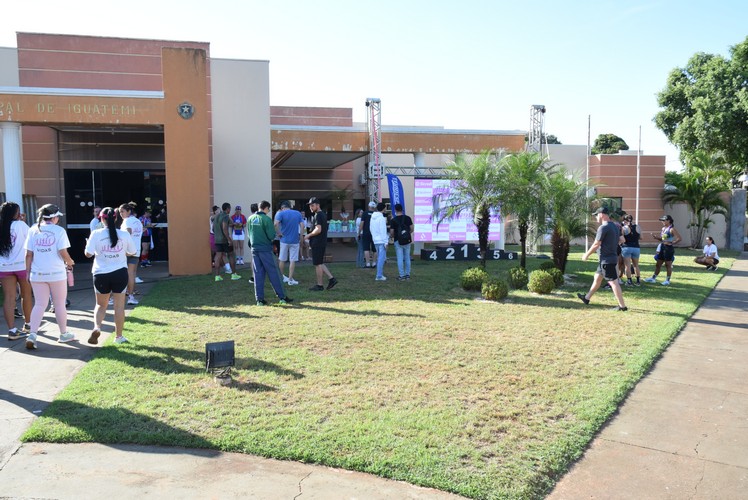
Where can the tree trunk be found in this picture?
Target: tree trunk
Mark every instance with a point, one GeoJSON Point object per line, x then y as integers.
{"type": "Point", "coordinates": [523, 244]}
{"type": "Point", "coordinates": [483, 225]}
{"type": "Point", "coordinates": [561, 247]}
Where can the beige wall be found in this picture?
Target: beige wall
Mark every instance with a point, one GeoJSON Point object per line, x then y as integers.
{"type": "Point", "coordinates": [8, 78]}
{"type": "Point", "coordinates": [241, 132]}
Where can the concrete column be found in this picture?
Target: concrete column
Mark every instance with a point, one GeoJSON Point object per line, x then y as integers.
{"type": "Point", "coordinates": [12, 161]}
{"type": "Point", "coordinates": [736, 222]}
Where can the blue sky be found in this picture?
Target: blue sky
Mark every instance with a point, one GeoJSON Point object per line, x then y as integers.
{"type": "Point", "coordinates": [474, 64]}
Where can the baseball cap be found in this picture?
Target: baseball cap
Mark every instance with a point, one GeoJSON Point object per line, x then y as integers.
{"type": "Point", "coordinates": [285, 204]}
{"type": "Point", "coordinates": [601, 210]}
{"type": "Point", "coordinates": [313, 200]}
{"type": "Point", "coordinates": [666, 217]}
{"type": "Point", "coordinates": [238, 207]}
{"type": "Point", "coordinates": [372, 204]}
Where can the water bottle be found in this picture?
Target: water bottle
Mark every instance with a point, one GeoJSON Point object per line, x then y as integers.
{"type": "Point", "coordinates": [71, 279]}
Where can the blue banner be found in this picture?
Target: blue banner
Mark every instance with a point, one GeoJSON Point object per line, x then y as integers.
{"type": "Point", "coordinates": [396, 191]}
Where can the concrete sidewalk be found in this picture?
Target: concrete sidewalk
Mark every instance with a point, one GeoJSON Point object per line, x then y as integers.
{"type": "Point", "coordinates": [29, 381]}
{"type": "Point", "coordinates": [683, 431]}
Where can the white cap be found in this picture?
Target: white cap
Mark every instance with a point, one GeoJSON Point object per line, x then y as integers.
{"type": "Point", "coordinates": [372, 204]}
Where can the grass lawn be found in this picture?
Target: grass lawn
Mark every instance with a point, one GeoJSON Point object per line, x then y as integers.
{"type": "Point", "coordinates": [417, 381]}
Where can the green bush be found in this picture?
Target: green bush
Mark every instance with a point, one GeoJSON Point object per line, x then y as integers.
{"type": "Point", "coordinates": [494, 289]}
{"type": "Point", "coordinates": [557, 275]}
{"type": "Point", "coordinates": [540, 282]}
{"type": "Point", "coordinates": [518, 277]}
{"type": "Point", "coordinates": [473, 278]}
{"type": "Point", "coordinates": [547, 265]}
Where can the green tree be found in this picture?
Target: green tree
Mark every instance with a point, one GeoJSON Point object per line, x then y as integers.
{"type": "Point", "coordinates": [705, 107]}
{"type": "Point", "coordinates": [568, 212]}
{"type": "Point", "coordinates": [523, 186]}
{"type": "Point", "coordinates": [547, 139]}
{"type": "Point", "coordinates": [476, 190]}
{"type": "Point", "coordinates": [698, 186]}
{"type": "Point", "coordinates": [608, 144]}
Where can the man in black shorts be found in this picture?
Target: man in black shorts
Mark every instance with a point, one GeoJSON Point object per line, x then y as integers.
{"type": "Point", "coordinates": [318, 242]}
{"type": "Point", "coordinates": [606, 244]}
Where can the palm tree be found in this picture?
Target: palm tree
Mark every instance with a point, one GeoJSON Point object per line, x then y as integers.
{"type": "Point", "coordinates": [474, 189]}
{"type": "Point", "coordinates": [568, 209]}
{"type": "Point", "coordinates": [523, 185]}
{"type": "Point", "coordinates": [699, 187]}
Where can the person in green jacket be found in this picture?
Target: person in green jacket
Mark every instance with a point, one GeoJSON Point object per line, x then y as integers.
{"type": "Point", "coordinates": [261, 235]}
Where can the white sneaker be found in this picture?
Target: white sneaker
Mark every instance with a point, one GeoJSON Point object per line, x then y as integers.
{"type": "Point", "coordinates": [111, 301]}
{"type": "Point", "coordinates": [131, 301]}
{"type": "Point", "coordinates": [292, 281]}
{"type": "Point", "coordinates": [120, 340]}
{"type": "Point", "coordinates": [381, 278]}
{"type": "Point", "coordinates": [66, 337]}
{"type": "Point", "coordinates": [285, 279]}
{"type": "Point", "coordinates": [138, 280]}
{"type": "Point", "coordinates": [650, 280]}
{"type": "Point", "coordinates": [666, 282]}
{"type": "Point", "coordinates": [227, 269]}
{"type": "Point", "coordinates": [31, 341]}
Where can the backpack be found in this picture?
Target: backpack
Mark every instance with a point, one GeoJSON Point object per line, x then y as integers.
{"type": "Point", "coordinates": [402, 233]}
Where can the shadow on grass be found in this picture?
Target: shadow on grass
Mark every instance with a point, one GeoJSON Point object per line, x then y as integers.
{"type": "Point", "coordinates": [107, 425]}
{"type": "Point", "coordinates": [258, 365]}
{"type": "Point", "coordinates": [372, 312]}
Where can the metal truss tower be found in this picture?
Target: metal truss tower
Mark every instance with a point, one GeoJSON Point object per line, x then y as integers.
{"type": "Point", "coordinates": [535, 136]}
{"type": "Point", "coordinates": [374, 168]}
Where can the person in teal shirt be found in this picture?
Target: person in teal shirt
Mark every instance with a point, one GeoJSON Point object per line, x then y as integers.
{"type": "Point", "coordinates": [261, 232]}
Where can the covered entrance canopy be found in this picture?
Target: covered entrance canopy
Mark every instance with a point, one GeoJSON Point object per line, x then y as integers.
{"type": "Point", "coordinates": [181, 110]}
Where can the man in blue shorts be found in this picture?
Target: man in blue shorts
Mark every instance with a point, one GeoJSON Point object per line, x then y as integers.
{"type": "Point", "coordinates": [606, 244]}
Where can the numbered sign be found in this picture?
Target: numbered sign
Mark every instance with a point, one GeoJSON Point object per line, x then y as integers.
{"type": "Point", "coordinates": [464, 251]}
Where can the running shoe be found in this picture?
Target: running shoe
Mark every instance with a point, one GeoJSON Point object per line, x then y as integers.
{"type": "Point", "coordinates": [262, 302]}
{"type": "Point", "coordinates": [235, 277]}
{"type": "Point", "coordinates": [111, 301]}
{"type": "Point", "coordinates": [650, 280]}
{"type": "Point", "coordinates": [332, 282]}
{"type": "Point", "coordinates": [138, 280]}
{"type": "Point", "coordinates": [292, 282]}
{"type": "Point", "coordinates": [120, 340]}
{"type": "Point", "coordinates": [380, 278]}
{"type": "Point", "coordinates": [66, 337]}
{"type": "Point", "coordinates": [401, 278]}
{"type": "Point", "coordinates": [94, 338]}
{"type": "Point", "coordinates": [316, 288]}
{"type": "Point", "coordinates": [407, 276]}
{"type": "Point", "coordinates": [285, 279]}
{"type": "Point", "coordinates": [14, 334]}
{"type": "Point", "coordinates": [251, 281]}
{"type": "Point", "coordinates": [218, 278]}
{"type": "Point", "coordinates": [285, 300]}
{"type": "Point", "coordinates": [622, 309]}
{"type": "Point", "coordinates": [666, 282]}
{"type": "Point", "coordinates": [131, 301]}
{"type": "Point", "coordinates": [26, 328]}
{"type": "Point", "coordinates": [17, 313]}
{"type": "Point", "coordinates": [583, 298]}
{"type": "Point", "coordinates": [31, 341]}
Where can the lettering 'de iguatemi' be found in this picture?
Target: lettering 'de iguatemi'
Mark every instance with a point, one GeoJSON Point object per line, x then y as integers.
{"type": "Point", "coordinates": [9, 108]}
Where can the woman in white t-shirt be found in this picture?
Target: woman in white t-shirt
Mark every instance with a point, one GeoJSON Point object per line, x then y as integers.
{"type": "Point", "coordinates": [112, 250]}
{"type": "Point", "coordinates": [13, 232]}
{"type": "Point", "coordinates": [710, 259]}
{"type": "Point", "coordinates": [132, 225]}
{"type": "Point", "coordinates": [47, 263]}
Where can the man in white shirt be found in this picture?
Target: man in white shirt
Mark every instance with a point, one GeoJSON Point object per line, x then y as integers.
{"type": "Point", "coordinates": [95, 222]}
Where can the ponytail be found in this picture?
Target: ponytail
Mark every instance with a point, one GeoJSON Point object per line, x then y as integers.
{"type": "Point", "coordinates": [8, 212]}
{"type": "Point", "coordinates": [109, 217]}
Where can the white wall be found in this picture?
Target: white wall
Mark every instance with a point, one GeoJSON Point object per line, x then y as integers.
{"type": "Point", "coordinates": [241, 132]}
{"type": "Point", "coordinates": [8, 78]}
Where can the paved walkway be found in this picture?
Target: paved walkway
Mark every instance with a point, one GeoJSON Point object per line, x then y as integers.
{"type": "Point", "coordinates": [682, 433]}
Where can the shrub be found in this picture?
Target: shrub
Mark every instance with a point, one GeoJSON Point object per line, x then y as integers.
{"type": "Point", "coordinates": [518, 277]}
{"type": "Point", "coordinates": [557, 275]}
{"type": "Point", "coordinates": [473, 278]}
{"type": "Point", "coordinates": [494, 289]}
{"type": "Point", "coordinates": [547, 265]}
{"type": "Point", "coordinates": [540, 282]}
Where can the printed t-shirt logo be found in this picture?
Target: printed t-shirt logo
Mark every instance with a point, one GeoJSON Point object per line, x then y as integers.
{"type": "Point", "coordinates": [45, 239]}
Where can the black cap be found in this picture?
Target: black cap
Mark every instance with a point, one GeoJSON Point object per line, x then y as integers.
{"type": "Point", "coordinates": [601, 210]}
{"type": "Point", "coordinates": [667, 218]}
{"type": "Point", "coordinates": [313, 200]}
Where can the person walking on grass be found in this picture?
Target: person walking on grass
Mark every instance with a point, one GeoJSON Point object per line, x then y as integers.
{"type": "Point", "coordinates": [318, 243]}
{"type": "Point", "coordinates": [289, 225]}
{"type": "Point", "coordinates": [380, 237]}
{"type": "Point", "coordinates": [222, 234]}
{"type": "Point", "coordinates": [606, 244]}
{"type": "Point", "coordinates": [13, 232]}
{"type": "Point", "coordinates": [631, 250]}
{"type": "Point", "coordinates": [112, 250]}
{"type": "Point", "coordinates": [261, 235]}
{"type": "Point", "coordinates": [134, 227]}
{"type": "Point", "coordinates": [665, 254]}
{"type": "Point", "coordinates": [401, 230]}
{"type": "Point", "coordinates": [47, 264]}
